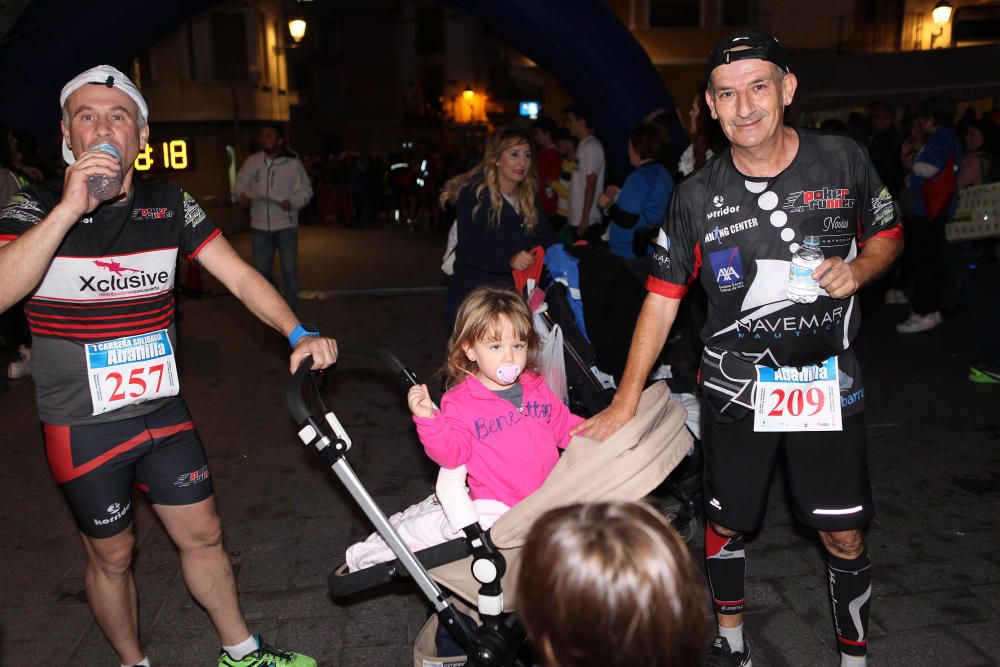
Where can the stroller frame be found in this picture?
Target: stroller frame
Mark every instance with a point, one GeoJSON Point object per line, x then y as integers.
{"type": "Point", "coordinates": [498, 640]}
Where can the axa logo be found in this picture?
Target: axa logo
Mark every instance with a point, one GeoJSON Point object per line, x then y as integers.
{"type": "Point", "coordinates": [727, 267]}
{"type": "Point", "coordinates": [122, 278]}
{"type": "Point", "coordinates": [116, 512]}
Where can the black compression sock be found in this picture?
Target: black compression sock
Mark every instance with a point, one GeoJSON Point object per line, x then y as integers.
{"type": "Point", "coordinates": [850, 593]}
{"type": "Point", "coordinates": [726, 565]}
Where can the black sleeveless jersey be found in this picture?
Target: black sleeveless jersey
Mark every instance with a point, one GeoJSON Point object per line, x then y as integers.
{"type": "Point", "coordinates": [737, 235]}
{"type": "Point", "coordinates": [112, 276]}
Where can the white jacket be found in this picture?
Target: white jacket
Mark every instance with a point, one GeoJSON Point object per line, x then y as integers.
{"type": "Point", "coordinates": [268, 183]}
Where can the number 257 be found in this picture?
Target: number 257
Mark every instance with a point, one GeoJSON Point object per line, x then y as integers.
{"type": "Point", "coordinates": [135, 383]}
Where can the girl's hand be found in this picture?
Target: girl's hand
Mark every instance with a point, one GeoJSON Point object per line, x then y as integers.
{"type": "Point", "coordinates": [521, 260]}
{"type": "Point", "coordinates": [419, 401]}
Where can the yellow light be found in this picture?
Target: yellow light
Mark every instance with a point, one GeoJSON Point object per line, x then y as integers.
{"type": "Point", "coordinates": [144, 160]}
{"type": "Point", "coordinates": [468, 94]}
{"type": "Point", "coordinates": [175, 156]}
{"type": "Point", "coordinates": [297, 29]}
{"type": "Point", "coordinates": [941, 13]}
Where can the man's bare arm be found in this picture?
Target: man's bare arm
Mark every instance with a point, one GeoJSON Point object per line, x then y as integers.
{"type": "Point", "coordinates": [24, 261]}
{"type": "Point", "coordinates": [651, 331]}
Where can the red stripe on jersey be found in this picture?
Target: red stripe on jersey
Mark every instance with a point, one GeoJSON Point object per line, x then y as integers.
{"type": "Point", "coordinates": [697, 262]}
{"type": "Point", "coordinates": [90, 306]}
{"type": "Point", "coordinates": [90, 318]}
{"type": "Point", "coordinates": [211, 237]}
{"type": "Point", "coordinates": [85, 323]}
{"type": "Point", "coordinates": [894, 234]}
{"type": "Point", "coordinates": [663, 288]}
{"type": "Point", "coordinates": [9, 237]}
{"type": "Point", "coordinates": [103, 335]}
{"type": "Point", "coordinates": [59, 451]}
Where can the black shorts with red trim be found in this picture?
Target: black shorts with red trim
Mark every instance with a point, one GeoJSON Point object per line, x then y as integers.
{"type": "Point", "coordinates": [827, 473]}
{"type": "Point", "coordinates": [96, 465]}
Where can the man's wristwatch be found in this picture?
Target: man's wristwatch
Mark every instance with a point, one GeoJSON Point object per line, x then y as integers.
{"type": "Point", "coordinates": [300, 331]}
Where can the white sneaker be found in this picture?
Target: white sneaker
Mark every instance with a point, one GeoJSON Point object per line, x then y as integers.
{"type": "Point", "coordinates": [21, 367]}
{"type": "Point", "coordinates": [919, 323]}
{"type": "Point", "coordinates": [895, 296]}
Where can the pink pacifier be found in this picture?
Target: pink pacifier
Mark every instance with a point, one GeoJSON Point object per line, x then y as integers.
{"type": "Point", "coordinates": [507, 374]}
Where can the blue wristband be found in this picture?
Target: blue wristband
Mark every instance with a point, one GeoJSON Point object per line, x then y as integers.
{"type": "Point", "coordinates": [300, 331]}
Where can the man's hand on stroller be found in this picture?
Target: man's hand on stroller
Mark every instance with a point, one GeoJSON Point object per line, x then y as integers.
{"type": "Point", "coordinates": [419, 400]}
{"type": "Point", "coordinates": [606, 422]}
{"type": "Point", "coordinates": [323, 351]}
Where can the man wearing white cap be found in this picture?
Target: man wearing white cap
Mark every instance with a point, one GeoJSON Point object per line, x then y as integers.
{"type": "Point", "coordinates": [101, 279]}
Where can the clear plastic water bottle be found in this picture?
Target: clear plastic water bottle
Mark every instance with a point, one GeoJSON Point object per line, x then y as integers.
{"type": "Point", "coordinates": [801, 286]}
{"type": "Point", "coordinates": [104, 187]}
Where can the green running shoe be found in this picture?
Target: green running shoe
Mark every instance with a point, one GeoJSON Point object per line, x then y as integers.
{"type": "Point", "coordinates": [266, 656]}
{"type": "Point", "coordinates": [984, 374]}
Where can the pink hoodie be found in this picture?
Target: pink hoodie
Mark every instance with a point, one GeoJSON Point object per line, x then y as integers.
{"type": "Point", "coordinates": [508, 453]}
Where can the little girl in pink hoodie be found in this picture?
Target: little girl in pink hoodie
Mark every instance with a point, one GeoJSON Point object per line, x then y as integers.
{"type": "Point", "coordinates": [498, 419]}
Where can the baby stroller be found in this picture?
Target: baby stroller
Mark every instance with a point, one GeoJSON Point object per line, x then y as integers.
{"type": "Point", "coordinates": [477, 573]}
{"type": "Point", "coordinates": [610, 293]}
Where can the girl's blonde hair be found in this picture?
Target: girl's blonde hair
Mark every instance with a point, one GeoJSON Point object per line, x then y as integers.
{"type": "Point", "coordinates": [487, 170]}
{"type": "Point", "coordinates": [480, 318]}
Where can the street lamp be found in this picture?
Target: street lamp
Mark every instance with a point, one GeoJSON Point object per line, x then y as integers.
{"type": "Point", "coordinates": [297, 29]}
{"type": "Point", "coordinates": [941, 14]}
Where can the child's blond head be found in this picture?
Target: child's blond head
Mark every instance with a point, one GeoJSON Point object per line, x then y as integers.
{"type": "Point", "coordinates": [481, 317]}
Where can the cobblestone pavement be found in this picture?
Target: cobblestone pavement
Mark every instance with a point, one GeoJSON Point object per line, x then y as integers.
{"type": "Point", "coordinates": [934, 442]}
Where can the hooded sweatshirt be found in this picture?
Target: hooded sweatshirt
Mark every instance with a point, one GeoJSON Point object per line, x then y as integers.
{"type": "Point", "coordinates": [507, 451]}
{"type": "Point", "coordinates": [269, 182]}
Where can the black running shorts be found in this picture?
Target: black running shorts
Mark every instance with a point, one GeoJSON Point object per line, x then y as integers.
{"type": "Point", "coordinates": [827, 473]}
{"type": "Point", "coordinates": [96, 466]}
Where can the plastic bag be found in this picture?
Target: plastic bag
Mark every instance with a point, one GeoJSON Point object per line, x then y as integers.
{"type": "Point", "coordinates": [551, 359]}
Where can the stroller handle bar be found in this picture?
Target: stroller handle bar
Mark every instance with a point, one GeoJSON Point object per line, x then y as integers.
{"type": "Point", "coordinates": [293, 395]}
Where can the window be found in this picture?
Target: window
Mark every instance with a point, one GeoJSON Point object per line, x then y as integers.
{"type": "Point", "coordinates": [674, 13]}
{"type": "Point", "coordinates": [229, 46]}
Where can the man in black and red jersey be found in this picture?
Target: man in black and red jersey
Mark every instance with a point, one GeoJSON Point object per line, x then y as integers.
{"type": "Point", "coordinates": [776, 374]}
{"type": "Point", "coordinates": [101, 311]}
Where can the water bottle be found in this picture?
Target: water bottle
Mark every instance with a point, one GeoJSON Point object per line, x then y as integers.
{"type": "Point", "coordinates": [103, 187]}
{"type": "Point", "coordinates": [801, 286]}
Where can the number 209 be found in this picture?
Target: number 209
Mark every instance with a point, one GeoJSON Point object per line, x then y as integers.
{"type": "Point", "coordinates": [796, 402]}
